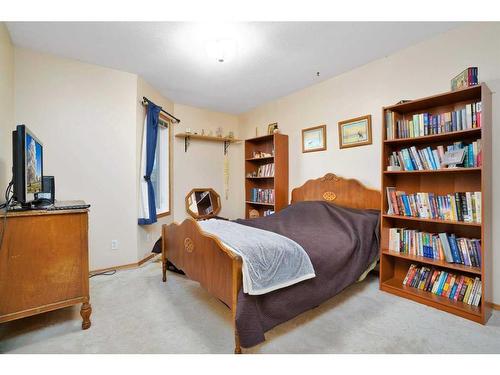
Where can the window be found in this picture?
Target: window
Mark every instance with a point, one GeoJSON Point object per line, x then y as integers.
{"type": "Point", "coordinates": [160, 177]}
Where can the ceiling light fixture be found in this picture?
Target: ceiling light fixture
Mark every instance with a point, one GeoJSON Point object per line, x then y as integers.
{"type": "Point", "coordinates": [221, 50]}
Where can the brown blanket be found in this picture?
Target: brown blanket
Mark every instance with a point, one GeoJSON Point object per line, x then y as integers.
{"type": "Point", "coordinates": [341, 244]}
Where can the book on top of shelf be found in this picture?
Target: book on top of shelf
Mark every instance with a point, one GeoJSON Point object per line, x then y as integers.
{"type": "Point", "coordinates": [424, 124]}
{"type": "Point", "coordinates": [453, 286]}
{"type": "Point", "coordinates": [464, 79]}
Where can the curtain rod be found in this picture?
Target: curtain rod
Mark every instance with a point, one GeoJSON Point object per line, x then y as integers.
{"type": "Point", "coordinates": [145, 101]}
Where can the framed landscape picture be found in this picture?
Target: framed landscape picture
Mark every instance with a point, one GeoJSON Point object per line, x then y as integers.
{"type": "Point", "coordinates": [314, 139]}
{"type": "Point", "coordinates": [355, 132]}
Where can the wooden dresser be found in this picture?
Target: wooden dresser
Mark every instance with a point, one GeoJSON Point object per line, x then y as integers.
{"type": "Point", "coordinates": [44, 263]}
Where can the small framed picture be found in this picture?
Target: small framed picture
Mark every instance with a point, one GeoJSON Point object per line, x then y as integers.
{"type": "Point", "coordinates": [355, 132]}
{"type": "Point", "coordinates": [272, 127]}
{"type": "Point", "coordinates": [314, 139]}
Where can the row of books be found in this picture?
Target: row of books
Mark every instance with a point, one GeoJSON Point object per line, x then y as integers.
{"type": "Point", "coordinates": [422, 124]}
{"type": "Point", "coordinates": [413, 159]}
{"type": "Point", "coordinates": [266, 170]}
{"type": "Point", "coordinates": [460, 206]}
{"type": "Point", "coordinates": [442, 246]}
{"type": "Point", "coordinates": [262, 195]}
{"type": "Point", "coordinates": [455, 287]}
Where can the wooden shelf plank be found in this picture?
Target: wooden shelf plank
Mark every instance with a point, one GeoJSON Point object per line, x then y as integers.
{"type": "Point", "coordinates": [207, 138]}
{"type": "Point", "coordinates": [397, 286]}
{"type": "Point", "coordinates": [261, 177]}
{"type": "Point", "coordinates": [264, 158]}
{"type": "Point", "coordinates": [448, 98]}
{"type": "Point", "coordinates": [260, 203]}
{"type": "Point", "coordinates": [399, 217]}
{"type": "Point", "coordinates": [435, 137]}
{"type": "Point", "coordinates": [433, 262]}
{"type": "Point", "coordinates": [443, 170]}
{"type": "Point", "coordinates": [261, 138]}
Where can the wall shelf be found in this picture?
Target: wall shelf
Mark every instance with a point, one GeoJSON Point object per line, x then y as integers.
{"type": "Point", "coordinates": [188, 137]}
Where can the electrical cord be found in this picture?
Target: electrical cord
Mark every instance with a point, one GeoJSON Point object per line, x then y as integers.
{"type": "Point", "coordinates": [7, 198]}
{"type": "Point", "coordinates": [112, 272]}
{"type": "Point", "coordinates": [5, 206]}
{"type": "Point", "coordinates": [104, 273]}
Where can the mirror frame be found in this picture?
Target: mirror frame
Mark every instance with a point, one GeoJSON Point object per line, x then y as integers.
{"type": "Point", "coordinates": [215, 198]}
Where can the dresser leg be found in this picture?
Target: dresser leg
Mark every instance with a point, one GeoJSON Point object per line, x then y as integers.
{"type": "Point", "coordinates": [237, 347]}
{"type": "Point", "coordinates": [85, 312]}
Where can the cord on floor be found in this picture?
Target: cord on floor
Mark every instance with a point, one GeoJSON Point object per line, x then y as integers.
{"type": "Point", "coordinates": [104, 273]}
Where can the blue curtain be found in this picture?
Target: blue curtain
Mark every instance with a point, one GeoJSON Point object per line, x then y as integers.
{"type": "Point", "coordinates": [153, 112]}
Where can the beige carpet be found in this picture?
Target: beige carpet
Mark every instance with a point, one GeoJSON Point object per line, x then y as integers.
{"type": "Point", "coordinates": [134, 312]}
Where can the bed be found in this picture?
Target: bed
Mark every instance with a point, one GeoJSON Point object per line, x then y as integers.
{"type": "Point", "coordinates": [334, 219]}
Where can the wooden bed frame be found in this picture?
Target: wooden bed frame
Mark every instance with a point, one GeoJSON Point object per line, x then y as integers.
{"type": "Point", "coordinates": [204, 258]}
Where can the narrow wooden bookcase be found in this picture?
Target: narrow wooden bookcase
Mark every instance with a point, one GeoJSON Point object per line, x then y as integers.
{"type": "Point", "coordinates": [277, 146]}
{"type": "Point", "coordinates": [393, 265]}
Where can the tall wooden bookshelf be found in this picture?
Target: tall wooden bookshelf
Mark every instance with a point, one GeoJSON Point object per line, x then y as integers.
{"type": "Point", "coordinates": [393, 265]}
{"type": "Point", "coordinates": [275, 145]}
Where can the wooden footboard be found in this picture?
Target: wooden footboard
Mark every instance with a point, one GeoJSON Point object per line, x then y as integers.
{"type": "Point", "coordinates": [204, 259]}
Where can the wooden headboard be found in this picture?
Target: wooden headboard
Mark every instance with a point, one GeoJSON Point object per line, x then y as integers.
{"type": "Point", "coordinates": [338, 190]}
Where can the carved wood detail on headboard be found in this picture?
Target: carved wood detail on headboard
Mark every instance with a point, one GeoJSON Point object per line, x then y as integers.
{"type": "Point", "coordinates": [338, 190]}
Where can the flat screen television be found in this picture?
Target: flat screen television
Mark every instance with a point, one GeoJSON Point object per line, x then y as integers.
{"type": "Point", "coordinates": [27, 165]}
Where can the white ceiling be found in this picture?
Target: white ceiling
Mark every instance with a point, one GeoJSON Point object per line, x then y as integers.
{"type": "Point", "coordinates": [273, 59]}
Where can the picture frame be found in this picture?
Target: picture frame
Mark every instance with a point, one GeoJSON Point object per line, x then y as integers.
{"type": "Point", "coordinates": [355, 132]}
{"type": "Point", "coordinates": [271, 128]}
{"type": "Point", "coordinates": [314, 139]}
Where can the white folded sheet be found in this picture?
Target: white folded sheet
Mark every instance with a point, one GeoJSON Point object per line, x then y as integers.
{"type": "Point", "coordinates": [270, 261]}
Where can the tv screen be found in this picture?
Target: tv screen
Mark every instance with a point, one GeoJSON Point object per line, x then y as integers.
{"type": "Point", "coordinates": [27, 167]}
{"type": "Point", "coordinates": [33, 165]}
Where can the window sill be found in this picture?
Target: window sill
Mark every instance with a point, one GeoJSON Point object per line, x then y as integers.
{"type": "Point", "coordinates": [163, 214]}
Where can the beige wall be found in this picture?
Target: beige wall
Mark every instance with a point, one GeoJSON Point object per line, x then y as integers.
{"type": "Point", "coordinates": [147, 235]}
{"type": "Point", "coordinates": [90, 120]}
{"type": "Point", "coordinates": [203, 164]}
{"type": "Point", "coordinates": [421, 70]}
{"type": "Point", "coordinates": [86, 117]}
{"type": "Point", "coordinates": [6, 107]}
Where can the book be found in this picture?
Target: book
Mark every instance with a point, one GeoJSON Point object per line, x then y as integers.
{"type": "Point", "coordinates": [466, 78]}
{"type": "Point", "coordinates": [446, 247]}
{"type": "Point", "coordinates": [412, 267]}
{"type": "Point", "coordinates": [391, 210]}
